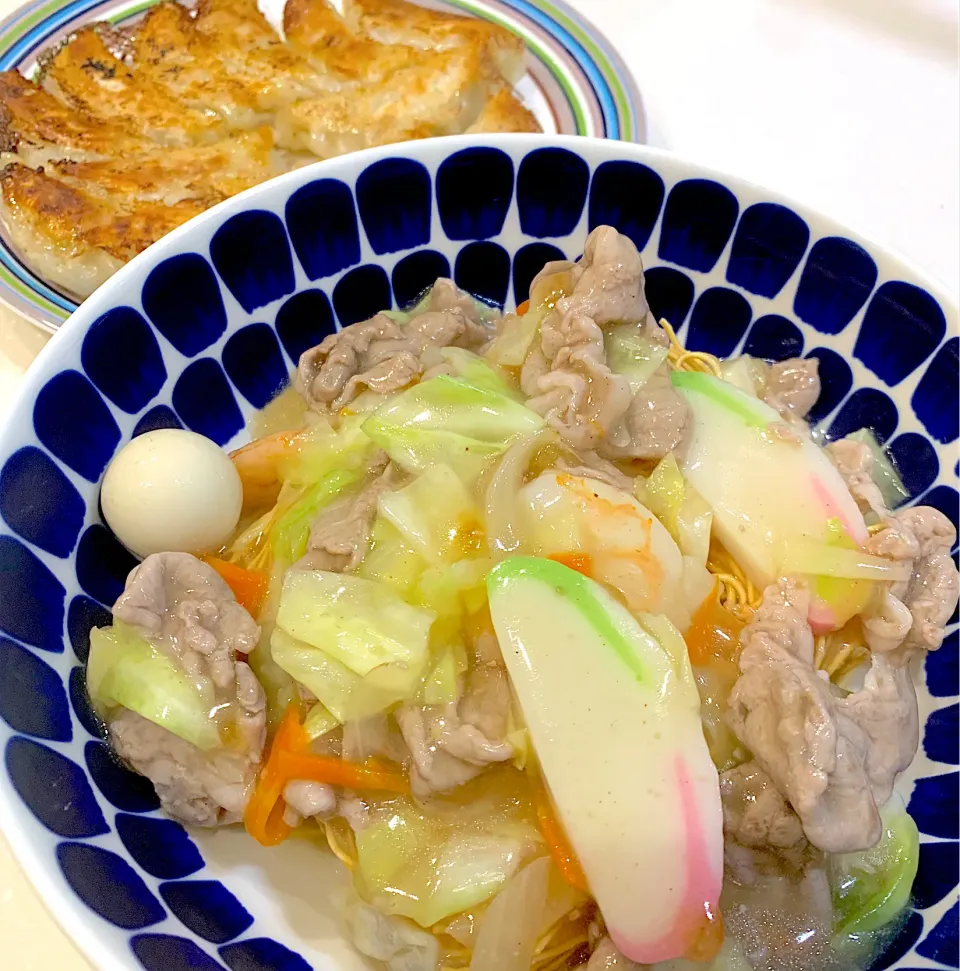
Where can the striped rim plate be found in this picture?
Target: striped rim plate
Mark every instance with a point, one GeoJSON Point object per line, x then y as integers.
{"type": "Point", "coordinates": [575, 84]}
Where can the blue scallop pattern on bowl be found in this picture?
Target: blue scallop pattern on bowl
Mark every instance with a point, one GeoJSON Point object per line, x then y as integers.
{"type": "Point", "coordinates": [670, 294]}
{"type": "Point", "coordinates": [937, 874]}
{"type": "Point", "coordinates": [32, 699]}
{"type": "Point", "coordinates": [916, 459]}
{"type": "Point", "coordinates": [39, 503]}
{"type": "Point", "coordinates": [155, 419]}
{"type": "Point", "coordinates": [262, 954]}
{"type": "Point", "coordinates": [474, 189]}
{"type": "Point", "coordinates": [160, 846]}
{"type": "Point", "coordinates": [947, 500]}
{"type": "Point", "coordinates": [627, 195]}
{"type": "Point", "coordinates": [31, 608]}
{"type": "Point", "coordinates": [934, 805]}
{"type": "Point", "coordinates": [483, 269]}
{"type": "Point", "coordinates": [415, 273]}
{"type": "Point", "coordinates": [164, 952]}
{"type": "Point", "coordinates": [836, 380]}
{"type": "Point", "coordinates": [906, 937]}
{"type": "Point", "coordinates": [121, 786]}
{"type": "Point", "coordinates": [866, 408]}
{"type": "Point", "coordinates": [937, 393]}
{"type": "Point", "coordinates": [941, 736]}
{"type": "Point", "coordinates": [697, 222]}
{"type": "Point", "coordinates": [80, 702]}
{"type": "Point", "coordinates": [551, 190]}
{"type": "Point", "coordinates": [901, 328]}
{"type": "Point", "coordinates": [322, 223]}
{"type": "Point", "coordinates": [719, 320]}
{"type": "Point", "coordinates": [54, 788]}
{"type": "Point", "coordinates": [182, 299]}
{"type": "Point", "coordinates": [360, 294]}
{"type": "Point", "coordinates": [943, 669]}
{"type": "Point", "coordinates": [393, 197]}
{"type": "Point", "coordinates": [102, 564]}
{"type": "Point", "coordinates": [775, 338]}
{"type": "Point", "coordinates": [204, 402]}
{"type": "Point", "coordinates": [109, 886]}
{"type": "Point", "coordinates": [733, 271]}
{"type": "Point", "coordinates": [83, 615]}
{"type": "Point", "coordinates": [74, 422]}
{"type": "Point", "coordinates": [941, 943]}
{"type": "Point", "coordinates": [837, 278]}
{"type": "Point", "coordinates": [254, 363]}
{"type": "Point", "coordinates": [207, 908]}
{"type": "Point", "coordinates": [252, 256]}
{"type": "Point", "coordinates": [123, 333]}
{"type": "Point", "coordinates": [767, 248]}
{"type": "Point", "coordinates": [303, 321]}
{"type": "Point", "coordinates": [528, 261]}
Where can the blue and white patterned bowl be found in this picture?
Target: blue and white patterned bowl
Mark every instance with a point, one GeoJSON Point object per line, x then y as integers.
{"type": "Point", "coordinates": [203, 329]}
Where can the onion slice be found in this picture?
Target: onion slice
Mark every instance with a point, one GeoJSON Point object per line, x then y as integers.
{"type": "Point", "coordinates": [510, 927]}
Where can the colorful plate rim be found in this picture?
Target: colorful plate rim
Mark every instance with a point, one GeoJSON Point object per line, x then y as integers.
{"type": "Point", "coordinates": [579, 75]}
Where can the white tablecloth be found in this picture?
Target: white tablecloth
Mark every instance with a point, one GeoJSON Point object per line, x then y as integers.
{"type": "Point", "coordinates": [850, 106]}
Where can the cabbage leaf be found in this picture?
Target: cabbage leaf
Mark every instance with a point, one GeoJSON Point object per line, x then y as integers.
{"type": "Point", "coordinates": [390, 558]}
{"type": "Point", "coordinates": [446, 420]}
{"type": "Point", "coordinates": [515, 338]}
{"type": "Point", "coordinates": [681, 509]}
{"type": "Point", "coordinates": [342, 692]}
{"type": "Point", "coordinates": [357, 622]}
{"type": "Point", "coordinates": [413, 864]}
{"type": "Point", "coordinates": [442, 684]}
{"type": "Point", "coordinates": [124, 669]}
{"type": "Point", "coordinates": [323, 449]}
{"type": "Point", "coordinates": [435, 516]}
{"type": "Point", "coordinates": [478, 372]}
{"type": "Point", "coordinates": [633, 356]}
{"type": "Point", "coordinates": [872, 887]}
{"type": "Point", "coordinates": [291, 532]}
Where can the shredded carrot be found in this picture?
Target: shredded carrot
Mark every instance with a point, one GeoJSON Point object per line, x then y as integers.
{"type": "Point", "coordinates": [289, 758]}
{"type": "Point", "coordinates": [522, 308]}
{"type": "Point", "coordinates": [248, 586]}
{"type": "Point", "coordinates": [371, 775]}
{"type": "Point", "coordinates": [264, 814]}
{"type": "Point", "coordinates": [560, 848]}
{"type": "Point", "coordinates": [581, 562]}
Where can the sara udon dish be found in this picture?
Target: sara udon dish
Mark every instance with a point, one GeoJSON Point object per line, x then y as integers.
{"type": "Point", "coordinates": [553, 185]}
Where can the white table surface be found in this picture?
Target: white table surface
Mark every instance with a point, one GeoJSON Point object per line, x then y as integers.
{"type": "Point", "coordinates": [850, 106]}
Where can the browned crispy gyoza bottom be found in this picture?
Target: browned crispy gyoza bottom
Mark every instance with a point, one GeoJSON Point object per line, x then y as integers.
{"type": "Point", "coordinates": [128, 133]}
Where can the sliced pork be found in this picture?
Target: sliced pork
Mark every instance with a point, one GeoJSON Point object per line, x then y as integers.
{"type": "Point", "coordinates": [183, 607]}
